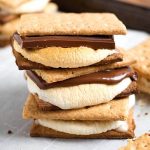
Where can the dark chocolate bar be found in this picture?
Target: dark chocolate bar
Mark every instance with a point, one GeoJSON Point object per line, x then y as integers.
{"type": "Point", "coordinates": [37, 42]}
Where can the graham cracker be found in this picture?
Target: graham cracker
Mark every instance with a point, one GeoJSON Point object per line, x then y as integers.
{"type": "Point", "coordinates": [143, 84]}
{"type": "Point", "coordinates": [118, 110]}
{"type": "Point", "coordinates": [141, 143]}
{"type": "Point", "coordinates": [41, 131]}
{"type": "Point", "coordinates": [141, 52]}
{"type": "Point", "coordinates": [70, 24]}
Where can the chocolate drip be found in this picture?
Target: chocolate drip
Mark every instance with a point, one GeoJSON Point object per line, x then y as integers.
{"type": "Point", "coordinates": [37, 42]}
{"type": "Point", "coordinates": [103, 77]}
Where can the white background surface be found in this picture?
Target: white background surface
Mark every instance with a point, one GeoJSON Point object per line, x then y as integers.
{"type": "Point", "coordinates": [13, 92]}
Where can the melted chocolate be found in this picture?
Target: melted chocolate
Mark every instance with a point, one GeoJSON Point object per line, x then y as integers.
{"type": "Point", "coordinates": [104, 77]}
{"type": "Point", "coordinates": [37, 42]}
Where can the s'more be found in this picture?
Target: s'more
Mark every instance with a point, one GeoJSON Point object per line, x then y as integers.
{"type": "Point", "coordinates": [10, 11]}
{"type": "Point", "coordinates": [80, 84]}
{"type": "Point", "coordinates": [141, 53]}
{"type": "Point", "coordinates": [141, 143]}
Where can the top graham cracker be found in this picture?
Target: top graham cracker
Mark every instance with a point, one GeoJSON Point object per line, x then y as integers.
{"type": "Point", "coordinates": [70, 24]}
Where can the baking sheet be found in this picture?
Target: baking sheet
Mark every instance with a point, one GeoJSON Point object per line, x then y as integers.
{"type": "Point", "coordinates": [13, 92]}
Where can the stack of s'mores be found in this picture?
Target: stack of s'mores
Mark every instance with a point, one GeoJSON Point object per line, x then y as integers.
{"type": "Point", "coordinates": [10, 11]}
{"type": "Point", "coordinates": [80, 85]}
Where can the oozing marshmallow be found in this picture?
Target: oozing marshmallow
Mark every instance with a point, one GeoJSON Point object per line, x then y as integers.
{"type": "Point", "coordinates": [72, 57]}
{"type": "Point", "coordinates": [79, 96]}
{"type": "Point", "coordinates": [83, 127]}
{"type": "Point", "coordinates": [131, 101]}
